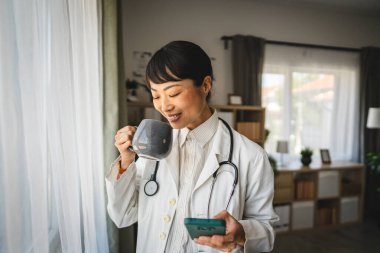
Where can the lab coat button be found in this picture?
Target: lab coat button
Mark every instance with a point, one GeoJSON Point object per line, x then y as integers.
{"type": "Point", "coordinates": [162, 236]}
{"type": "Point", "coordinates": [172, 202]}
{"type": "Point", "coordinates": [166, 218]}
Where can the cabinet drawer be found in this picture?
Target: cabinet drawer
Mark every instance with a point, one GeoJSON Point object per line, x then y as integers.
{"type": "Point", "coordinates": [283, 180]}
{"type": "Point", "coordinates": [351, 189]}
{"type": "Point", "coordinates": [349, 209]}
{"type": "Point", "coordinates": [303, 215]}
{"type": "Point", "coordinates": [283, 195]}
{"type": "Point", "coordinates": [328, 184]}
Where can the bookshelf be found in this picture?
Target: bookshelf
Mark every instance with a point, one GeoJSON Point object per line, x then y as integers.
{"type": "Point", "coordinates": [319, 196]}
{"type": "Point", "coordinates": [247, 120]}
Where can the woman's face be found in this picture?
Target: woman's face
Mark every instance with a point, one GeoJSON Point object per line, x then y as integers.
{"type": "Point", "coordinates": [182, 103]}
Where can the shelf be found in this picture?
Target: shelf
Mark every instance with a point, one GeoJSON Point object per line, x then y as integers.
{"type": "Point", "coordinates": [351, 181]}
{"type": "Point", "coordinates": [239, 107]}
{"type": "Point", "coordinates": [327, 212]}
{"type": "Point", "coordinates": [328, 198]}
{"type": "Point", "coordinates": [247, 120]}
{"type": "Point", "coordinates": [305, 186]}
{"type": "Point", "coordinates": [305, 190]}
{"type": "Point", "coordinates": [322, 195]}
{"type": "Point", "coordinates": [140, 104]}
{"type": "Point", "coordinates": [222, 107]}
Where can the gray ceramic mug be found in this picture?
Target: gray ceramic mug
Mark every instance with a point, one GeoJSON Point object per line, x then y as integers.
{"type": "Point", "coordinates": [153, 139]}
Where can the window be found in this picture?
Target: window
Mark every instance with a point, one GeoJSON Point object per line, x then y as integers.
{"type": "Point", "coordinates": [311, 99]}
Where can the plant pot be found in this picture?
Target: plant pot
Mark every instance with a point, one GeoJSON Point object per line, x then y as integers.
{"type": "Point", "coordinates": [306, 160]}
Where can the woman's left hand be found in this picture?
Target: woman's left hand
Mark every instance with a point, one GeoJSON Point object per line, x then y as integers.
{"type": "Point", "coordinates": [235, 235]}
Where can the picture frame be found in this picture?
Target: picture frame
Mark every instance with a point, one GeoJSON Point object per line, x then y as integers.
{"type": "Point", "coordinates": [325, 156]}
{"type": "Point", "coordinates": [234, 99]}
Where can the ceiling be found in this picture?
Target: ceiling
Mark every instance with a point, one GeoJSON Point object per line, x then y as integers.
{"type": "Point", "coordinates": [370, 7]}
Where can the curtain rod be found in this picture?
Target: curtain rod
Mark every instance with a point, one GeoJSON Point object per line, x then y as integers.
{"type": "Point", "coordinates": [293, 44]}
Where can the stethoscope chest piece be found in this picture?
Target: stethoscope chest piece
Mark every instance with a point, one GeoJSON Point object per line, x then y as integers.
{"type": "Point", "coordinates": [151, 187]}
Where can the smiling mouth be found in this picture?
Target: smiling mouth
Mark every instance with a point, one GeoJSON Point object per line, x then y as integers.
{"type": "Point", "coordinates": [174, 117]}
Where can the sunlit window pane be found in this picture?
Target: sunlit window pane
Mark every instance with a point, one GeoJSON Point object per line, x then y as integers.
{"type": "Point", "coordinates": [273, 99]}
{"type": "Point", "coordinates": [306, 119]}
{"type": "Point", "coordinates": [311, 99]}
{"type": "Point", "coordinates": [312, 106]}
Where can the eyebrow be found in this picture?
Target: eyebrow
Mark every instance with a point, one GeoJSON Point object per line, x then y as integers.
{"type": "Point", "coordinates": [168, 87]}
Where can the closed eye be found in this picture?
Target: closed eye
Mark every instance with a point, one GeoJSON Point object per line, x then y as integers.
{"type": "Point", "coordinates": [174, 95]}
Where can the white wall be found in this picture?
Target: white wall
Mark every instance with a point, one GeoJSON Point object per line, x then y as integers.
{"type": "Point", "coordinates": [148, 25]}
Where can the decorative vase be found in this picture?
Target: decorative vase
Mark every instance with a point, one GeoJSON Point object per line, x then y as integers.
{"type": "Point", "coordinates": [306, 160]}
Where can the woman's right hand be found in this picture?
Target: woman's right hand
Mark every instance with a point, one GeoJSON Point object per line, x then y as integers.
{"type": "Point", "coordinates": [123, 140]}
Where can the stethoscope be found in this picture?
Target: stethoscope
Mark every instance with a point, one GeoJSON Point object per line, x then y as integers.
{"type": "Point", "coordinates": [151, 187]}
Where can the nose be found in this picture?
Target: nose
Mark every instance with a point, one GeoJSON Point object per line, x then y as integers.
{"type": "Point", "coordinates": [166, 104]}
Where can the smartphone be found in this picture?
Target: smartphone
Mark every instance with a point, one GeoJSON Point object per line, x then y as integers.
{"type": "Point", "coordinates": [205, 227]}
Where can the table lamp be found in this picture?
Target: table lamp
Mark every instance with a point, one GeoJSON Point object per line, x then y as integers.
{"type": "Point", "coordinates": [282, 148]}
{"type": "Point", "coordinates": [373, 120]}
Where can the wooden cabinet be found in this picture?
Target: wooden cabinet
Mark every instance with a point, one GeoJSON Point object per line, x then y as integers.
{"type": "Point", "coordinates": [284, 188]}
{"type": "Point", "coordinates": [319, 196]}
{"type": "Point", "coordinates": [247, 120]}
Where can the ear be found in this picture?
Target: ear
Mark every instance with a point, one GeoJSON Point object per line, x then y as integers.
{"type": "Point", "coordinates": [207, 85]}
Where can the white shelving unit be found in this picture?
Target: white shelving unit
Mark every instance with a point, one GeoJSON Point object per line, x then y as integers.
{"type": "Point", "coordinates": [320, 196]}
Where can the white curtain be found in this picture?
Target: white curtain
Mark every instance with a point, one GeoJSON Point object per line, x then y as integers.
{"type": "Point", "coordinates": [51, 136]}
{"type": "Point", "coordinates": [311, 99]}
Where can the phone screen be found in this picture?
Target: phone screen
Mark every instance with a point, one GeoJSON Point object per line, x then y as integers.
{"type": "Point", "coordinates": [205, 227]}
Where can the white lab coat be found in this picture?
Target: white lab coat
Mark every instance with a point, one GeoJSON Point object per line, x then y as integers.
{"type": "Point", "coordinates": [251, 203]}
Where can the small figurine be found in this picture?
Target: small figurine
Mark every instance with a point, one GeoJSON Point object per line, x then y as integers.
{"type": "Point", "coordinates": [132, 90]}
{"type": "Point", "coordinates": [132, 86]}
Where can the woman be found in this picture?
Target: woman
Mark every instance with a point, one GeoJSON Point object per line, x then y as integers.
{"type": "Point", "coordinates": [179, 76]}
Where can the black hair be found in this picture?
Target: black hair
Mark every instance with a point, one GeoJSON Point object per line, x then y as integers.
{"type": "Point", "coordinates": [179, 60]}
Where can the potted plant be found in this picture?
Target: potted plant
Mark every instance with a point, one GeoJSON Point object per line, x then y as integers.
{"type": "Point", "coordinates": [373, 161]}
{"type": "Point", "coordinates": [272, 161]}
{"type": "Point", "coordinates": [306, 154]}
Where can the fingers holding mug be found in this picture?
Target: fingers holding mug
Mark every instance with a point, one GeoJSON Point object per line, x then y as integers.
{"type": "Point", "coordinates": [125, 134]}
{"type": "Point", "coordinates": [124, 137]}
{"type": "Point", "coordinates": [123, 140]}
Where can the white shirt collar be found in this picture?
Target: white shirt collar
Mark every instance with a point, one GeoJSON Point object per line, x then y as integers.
{"type": "Point", "coordinates": [201, 134]}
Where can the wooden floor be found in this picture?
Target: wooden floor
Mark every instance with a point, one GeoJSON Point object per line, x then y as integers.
{"type": "Point", "coordinates": [357, 238]}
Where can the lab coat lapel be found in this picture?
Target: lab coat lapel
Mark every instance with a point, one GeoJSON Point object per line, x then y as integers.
{"type": "Point", "coordinates": [219, 149]}
{"type": "Point", "coordinates": [172, 161]}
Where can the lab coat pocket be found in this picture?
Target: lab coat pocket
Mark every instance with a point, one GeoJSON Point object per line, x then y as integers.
{"type": "Point", "coordinates": [146, 203]}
